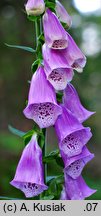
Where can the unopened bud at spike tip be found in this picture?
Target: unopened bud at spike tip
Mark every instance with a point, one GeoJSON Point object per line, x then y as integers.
{"type": "Point", "coordinates": [35, 7]}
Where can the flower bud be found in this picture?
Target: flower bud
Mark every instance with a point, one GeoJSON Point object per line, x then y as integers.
{"type": "Point", "coordinates": [35, 7]}
{"type": "Point", "coordinates": [62, 14]}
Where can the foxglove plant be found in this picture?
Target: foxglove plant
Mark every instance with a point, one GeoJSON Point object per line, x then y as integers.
{"type": "Point", "coordinates": [53, 101]}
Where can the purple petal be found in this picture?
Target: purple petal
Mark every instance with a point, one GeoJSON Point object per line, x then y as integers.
{"type": "Point", "coordinates": [76, 189]}
{"type": "Point", "coordinates": [29, 176]}
{"type": "Point", "coordinates": [57, 69]}
{"type": "Point", "coordinates": [64, 195]}
{"type": "Point", "coordinates": [75, 165]}
{"type": "Point", "coordinates": [42, 106]}
{"type": "Point", "coordinates": [72, 102]}
{"type": "Point", "coordinates": [35, 7]}
{"type": "Point", "coordinates": [74, 55]}
{"type": "Point", "coordinates": [62, 14]}
{"type": "Point", "coordinates": [72, 135]}
{"type": "Point", "coordinates": [55, 35]}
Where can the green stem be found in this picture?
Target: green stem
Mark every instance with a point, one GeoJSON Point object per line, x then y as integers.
{"type": "Point", "coordinates": [44, 152]}
{"type": "Point", "coordinates": [38, 28]}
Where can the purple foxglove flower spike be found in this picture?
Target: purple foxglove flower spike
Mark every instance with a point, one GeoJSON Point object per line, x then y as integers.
{"type": "Point", "coordinates": [35, 7]}
{"type": "Point", "coordinates": [74, 55]}
{"type": "Point", "coordinates": [75, 165]}
{"type": "Point", "coordinates": [42, 106]}
{"type": "Point", "coordinates": [72, 102]}
{"type": "Point", "coordinates": [76, 189]}
{"type": "Point", "coordinates": [29, 176]}
{"type": "Point", "coordinates": [71, 133]}
{"type": "Point", "coordinates": [62, 14]}
{"type": "Point", "coordinates": [57, 69]}
{"type": "Point", "coordinates": [55, 35]}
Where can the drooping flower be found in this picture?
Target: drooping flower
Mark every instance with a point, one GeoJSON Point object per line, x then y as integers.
{"type": "Point", "coordinates": [62, 14]}
{"type": "Point", "coordinates": [76, 189]}
{"type": "Point", "coordinates": [74, 55]}
{"type": "Point", "coordinates": [71, 133]}
{"type": "Point", "coordinates": [35, 7]}
{"type": "Point", "coordinates": [42, 106]}
{"type": "Point", "coordinates": [57, 69]}
{"type": "Point", "coordinates": [72, 102]}
{"type": "Point", "coordinates": [55, 35]}
{"type": "Point", "coordinates": [75, 165]}
{"type": "Point", "coordinates": [29, 177]}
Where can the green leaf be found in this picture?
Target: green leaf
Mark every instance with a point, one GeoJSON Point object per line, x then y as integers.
{"type": "Point", "coordinates": [59, 179]}
{"type": "Point", "coordinates": [53, 1]}
{"type": "Point", "coordinates": [8, 198]}
{"type": "Point", "coordinates": [51, 5]}
{"type": "Point", "coordinates": [50, 197]}
{"type": "Point", "coordinates": [51, 156]}
{"type": "Point", "coordinates": [33, 18]}
{"type": "Point", "coordinates": [48, 178]}
{"type": "Point", "coordinates": [55, 184]}
{"type": "Point", "coordinates": [41, 38]}
{"type": "Point", "coordinates": [59, 96]}
{"type": "Point", "coordinates": [27, 136]}
{"type": "Point", "coordinates": [29, 49]}
{"type": "Point", "coordinates": [59, 161]}
{"type": "Point", "coordinates": [35, 65]}
{"type": "Point", "coordinates": [16, 131]}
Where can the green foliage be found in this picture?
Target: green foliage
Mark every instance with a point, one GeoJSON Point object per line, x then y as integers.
{"type": "Point", "coordinates": [29, 49]}
{"type": "Point", "coordinates": [33, 18]}
{"type": "Point", "coordinates": [51, 6]}
{"type": "Point", "coordinates": [41, 38]}
{"type": "Point", "coordinates": [8, 198]}
{"type": "Point", "coordinates": [51, 156]}
{"type": "Point", "coordinates": [54, 187]}
{"type": "Point", "coordinates": [59, 96]}
{"type": "Point", "coordinates": [59, 161]}
{"type": "Point", "coordinates": [54, 155]}
{"type": "Point", "coordinates": [27, 137]}
{"type": "Point", "coordinates": [35, 65]}
{"type": "Point", "coordinates": [16, 131]}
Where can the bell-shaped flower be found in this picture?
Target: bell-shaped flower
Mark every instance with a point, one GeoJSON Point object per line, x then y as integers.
{"type": "Point", "coordinates": [62, 14]}
{"type": "Point", "coordinates": [72, 102]}
{"type": "Point", "coordinates": [71, 133]}
{"type": "Point", "coordinates": [29, 177]}
{"type": "Point", "coordinates": [42, 106]}
{"type": "Point", "coordinates": [55, 35]}
{"type": "Point", "coordinates": [57, 69]}
{"type": "Point", "coordinates": [74, 55]}
{"type": "Point", "coordinates": [75, 165]}
{"type": "Point", "coordinates": [76, 189]}
{"type": "Point", "coordinates": [35, 7]}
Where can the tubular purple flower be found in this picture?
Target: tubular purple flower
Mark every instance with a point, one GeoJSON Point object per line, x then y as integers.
{"type": "Point", "coordinates": [55, 35]}
{"type": "Point", "coordinates": [57, 69]}
{"type": "Point", "coordinates": [77, 189]}
{"type": "Point", "coordinates": [35, 7]}
{"type": "Point", "coordinates": [29, 176]}
{"type": "Point", "coordinates": [75, 165]}
{"type": "Point", "coordinates": [62, 14]}
{"type": "Point", "coordinates": [71, 133]}
{"type": "Point", "coordinates": [42, 106]}
{"type": "Point", "coordinates": [74, 55]}
{"type": "Point", "coordinates": [72, 102]}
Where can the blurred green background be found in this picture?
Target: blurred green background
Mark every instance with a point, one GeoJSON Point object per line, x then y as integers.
{"type": "Point", "coordinates": [15, 70]}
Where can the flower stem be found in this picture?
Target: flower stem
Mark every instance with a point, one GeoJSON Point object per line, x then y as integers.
{"type": "Point", "coordinates": [38, 28]}
{"type": "Point", "coordinates": [44, 152]}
